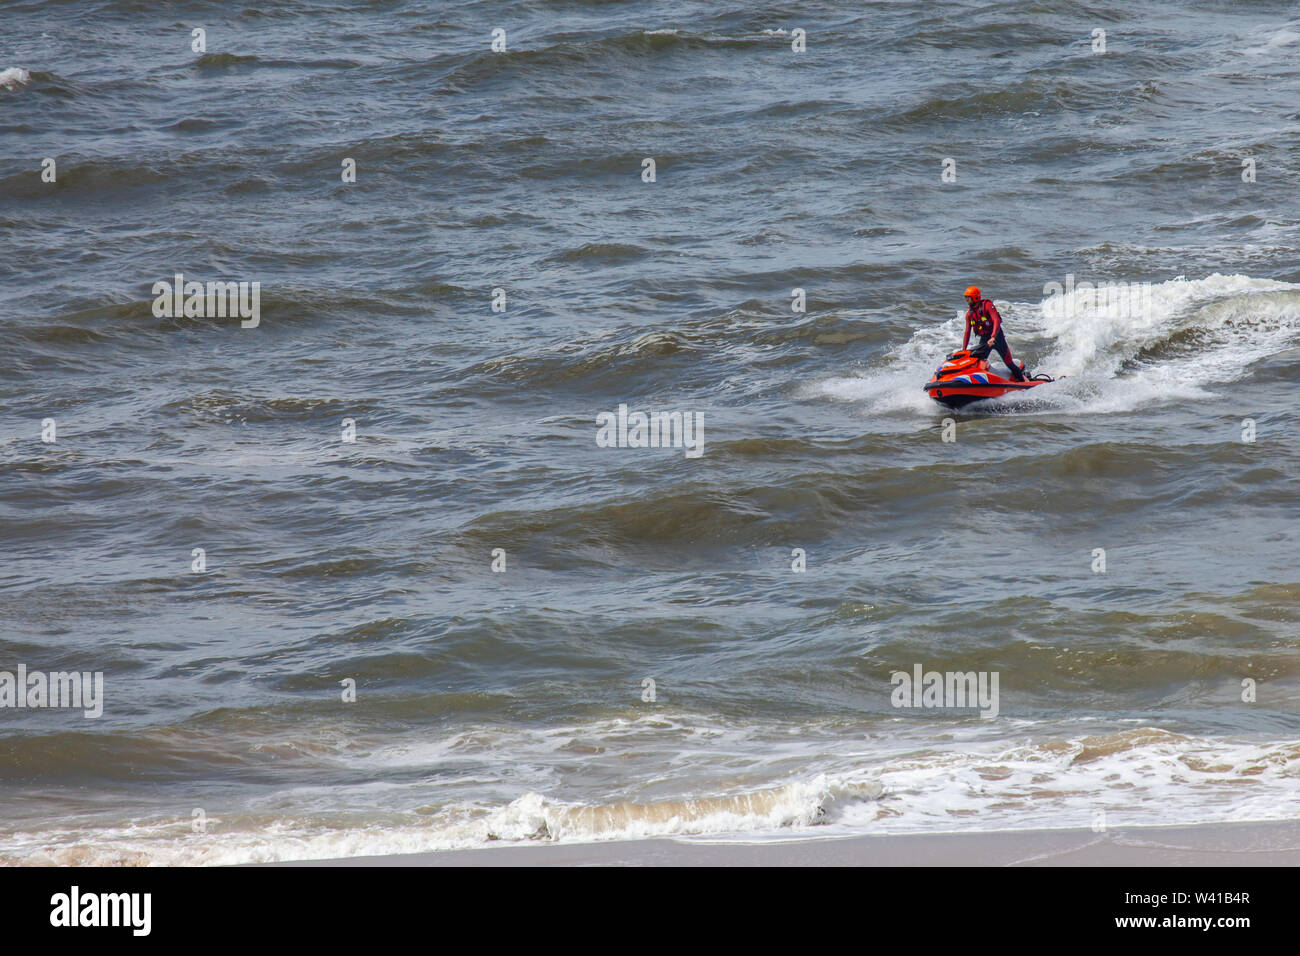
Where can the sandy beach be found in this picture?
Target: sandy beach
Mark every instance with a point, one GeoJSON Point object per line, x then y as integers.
{"type": "Point", "coordinates": [1274, 843]}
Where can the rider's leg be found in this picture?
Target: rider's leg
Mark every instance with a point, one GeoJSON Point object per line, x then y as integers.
{"type": "Point", "coordinates": [1004, 350]}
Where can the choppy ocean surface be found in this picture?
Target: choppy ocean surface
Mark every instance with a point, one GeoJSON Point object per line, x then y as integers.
{"type": "Point", "coordinates": [509, 705]}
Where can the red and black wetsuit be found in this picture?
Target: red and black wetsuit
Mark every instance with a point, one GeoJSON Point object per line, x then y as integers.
{"type": "Point", "coordinates": [984, 319]}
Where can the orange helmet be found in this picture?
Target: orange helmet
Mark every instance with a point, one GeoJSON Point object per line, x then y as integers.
{"type": "Point", "coordinates": [972, 290]}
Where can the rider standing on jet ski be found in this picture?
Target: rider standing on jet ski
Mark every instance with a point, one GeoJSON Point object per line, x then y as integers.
{"type": "Point", "coordinates": [983, 317]}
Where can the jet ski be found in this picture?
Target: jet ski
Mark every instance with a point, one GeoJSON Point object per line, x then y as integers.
{"type": "Point", "coordinates": [964, 378]}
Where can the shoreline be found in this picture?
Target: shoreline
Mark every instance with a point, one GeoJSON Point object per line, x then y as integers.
{"type": "Point", "coordinates": [1264, 843]}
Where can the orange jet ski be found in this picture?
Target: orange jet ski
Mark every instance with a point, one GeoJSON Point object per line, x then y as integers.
{"type": "Point", "coordinates": [964, 378]}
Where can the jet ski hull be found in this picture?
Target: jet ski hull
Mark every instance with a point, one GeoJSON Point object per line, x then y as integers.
{"type": "Point", "coordinates": [963, 379]}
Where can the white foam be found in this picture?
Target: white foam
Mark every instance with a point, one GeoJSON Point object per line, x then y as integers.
{"type": "Point", "coordinates": [532, 817]}
{"type": "Point", "coordinates": [755, 781]}
{"type": "Point", "coordinates": [1268, 40]}
{"type": "Point", "coordinates": [14, 77]}
{"type": "Point", "coordinates": [1139, 777]}
{"type": "Point", "coordinates": [797, 804]}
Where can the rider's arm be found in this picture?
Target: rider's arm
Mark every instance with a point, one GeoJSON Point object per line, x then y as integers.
{"type": "Point", "coordinates": [965, 339]}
